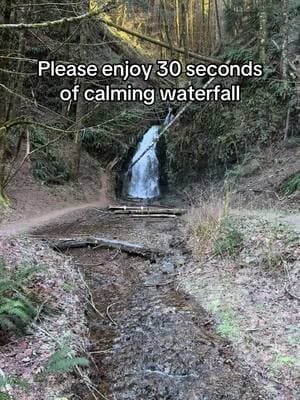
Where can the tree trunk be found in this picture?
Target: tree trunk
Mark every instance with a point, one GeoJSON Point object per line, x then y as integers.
{"type": "Point", "coordinates": [4, 51]}
{"type": "Point", "coordinates": [263, 31]}
{"type": "Point", "coordinates": [219, 33]}
{"type": "Point", "coordinates": [66, 82]}
{"type": "Point", "coordinates": [80, 106]}
{"type": "Point", "coordinates": [4, 78]}
{"type": "Point", "coordinates": [285, 33]}
{"type": "Point", "coordinates": [3, 139]}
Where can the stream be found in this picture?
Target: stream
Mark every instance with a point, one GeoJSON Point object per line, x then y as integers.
{"type": "Point", "coordinates": [152, 341]}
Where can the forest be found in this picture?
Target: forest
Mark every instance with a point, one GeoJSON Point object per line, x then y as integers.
{"type": "Point", "coordinates": [149, 199]}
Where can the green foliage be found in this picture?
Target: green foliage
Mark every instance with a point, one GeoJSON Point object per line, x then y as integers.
{"type": "Point", "coordinates": [16, 309]}
{"type": "Point", "coordinates": [284, 361]}
{"type": "Point", "coordinates": [239, 18]}
{"type": "Point", "coordinates": [294, 7]}
{"type": "Point", "coordinates": [227, 320]}
{"type": "Point", "coordinates": [64, 360]}
{"type": "Point", "coordinates": [281, 90]}
{"type": "Point", "coordinates": [15, 313]}
{"type": "Point", "coordinates": [290, 186]}
{"type": "Point", "coordinates": [11, 381]}
{"type": "Point", "coordinates": [48, 164]}
{"type": "Point", "coordinates": [247, 167]}
{"type": "Point", "coordinates": [229, 240]}
{"type": "Point", "coordinates": [224, 133]}
{"type": "Point", "coordinates": [112, 130]}
{"type": "Point", "coordinates": [5, 396]}
{"type": "Point", "coordinates": [51, 170]}
{"type": "Point", "coordinates": [239, 54]}
{"type": "Point", "coordinates": [16, 280]}
{"type": "Point", "coordinates": [228, 325]}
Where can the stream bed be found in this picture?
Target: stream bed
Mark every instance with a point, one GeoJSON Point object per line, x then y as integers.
{"type": "Point", "coordinates": [151, 342]}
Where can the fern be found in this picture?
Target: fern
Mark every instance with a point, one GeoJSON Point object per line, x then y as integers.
{"type": "Point", "coordinates": [5, 396]}
{"type": "Point", "coordinates": [15, 313]}
{"type": "Point", "coordinates": [11, 381]}
{"type": "Point", "coordinates": [16, 310]}
{"type": "Point", "coordinates": [290, 186]}
{"type": "Point", "coordinates": [12, 281]}
{"type": "Point", "coordinates": [63, 361]}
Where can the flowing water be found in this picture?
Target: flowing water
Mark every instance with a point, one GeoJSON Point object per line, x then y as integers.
{"type": "Point", "coordinates": [144, 183]}
{"type": "Point", "coordinates": [149, 340]}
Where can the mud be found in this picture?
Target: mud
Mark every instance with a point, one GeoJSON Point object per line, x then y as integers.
{"type": "Point", "coordinates": [152, 341]}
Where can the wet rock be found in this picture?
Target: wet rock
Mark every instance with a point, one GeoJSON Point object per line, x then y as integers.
{"type": "Point", "coordinates": [179, 261]}
{"type": "Point", "coordinates": [153, 279]}
{"type": "Point", "coordinates": [167, 267]}
{"type": "Point", "coordinates": [251, 260]}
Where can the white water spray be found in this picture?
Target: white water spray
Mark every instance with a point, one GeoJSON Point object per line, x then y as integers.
{"type": "Point", "coordinates": [144, 183]}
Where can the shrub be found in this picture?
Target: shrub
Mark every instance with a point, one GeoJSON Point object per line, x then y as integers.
{"type": "Point", "coordinates": [51, 170]}
{"type": "Point", "coordinates": [229, 240]}
{"type": "Point", "coordinates": [203, 222]}
{"type": "Point", "coordinates": [48, 164]}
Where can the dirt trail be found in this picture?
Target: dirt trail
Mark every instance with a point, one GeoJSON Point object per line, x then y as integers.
{"type": "Point", "coordinates": [293, 220]}
{"type": "Point", "coordinates": [29, 224]}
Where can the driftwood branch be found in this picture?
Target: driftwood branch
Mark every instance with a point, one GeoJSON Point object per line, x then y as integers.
{"type": "Point", "coordinates": [130, 248]}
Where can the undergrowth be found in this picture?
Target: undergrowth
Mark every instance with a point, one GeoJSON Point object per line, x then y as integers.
{"type": "Point", "coordinates": [214, 232]}
{"type": "Point", "coordinates": [11, 381]}
{"type": "Point", "coordinates": [60, 362]}
{"type": "Point", "coordinates": [64, 360]}
{"type": "Point", "coordinates": [227, 320]}
{"type": "Point", "coordinates": [17, 309]}
{"type": "Point", "coordinates": [229, 239]}
{"type": "Point", "coordinates": [48, 163]}
{"type": "Point", "coordinates": [290, 186]}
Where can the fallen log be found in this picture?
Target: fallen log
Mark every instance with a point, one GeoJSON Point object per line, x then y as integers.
{"type": "Point", "coordinates": [131, 248]}
{"type": "Point", "coordinates": [152, 215]}
{"type": "Point", "coordinates": [146, 210]}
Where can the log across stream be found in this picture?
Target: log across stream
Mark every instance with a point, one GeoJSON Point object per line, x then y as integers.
{"type": "Point", "coordinates": [149, 340]}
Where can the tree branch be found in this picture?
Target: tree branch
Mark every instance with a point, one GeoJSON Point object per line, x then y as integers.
{"type": "Point", "coordinates": [48, 24]}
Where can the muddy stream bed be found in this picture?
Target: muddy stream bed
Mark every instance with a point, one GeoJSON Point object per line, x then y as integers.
{"type": "Point", "coordinates": [153, 341]}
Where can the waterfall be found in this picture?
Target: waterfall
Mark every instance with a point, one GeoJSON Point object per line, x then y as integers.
{"type": "Point", "coordinates": [144, 183]}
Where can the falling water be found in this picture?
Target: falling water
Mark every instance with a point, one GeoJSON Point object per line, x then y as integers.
{"type": "Point", "coordinates": [144, 183]}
